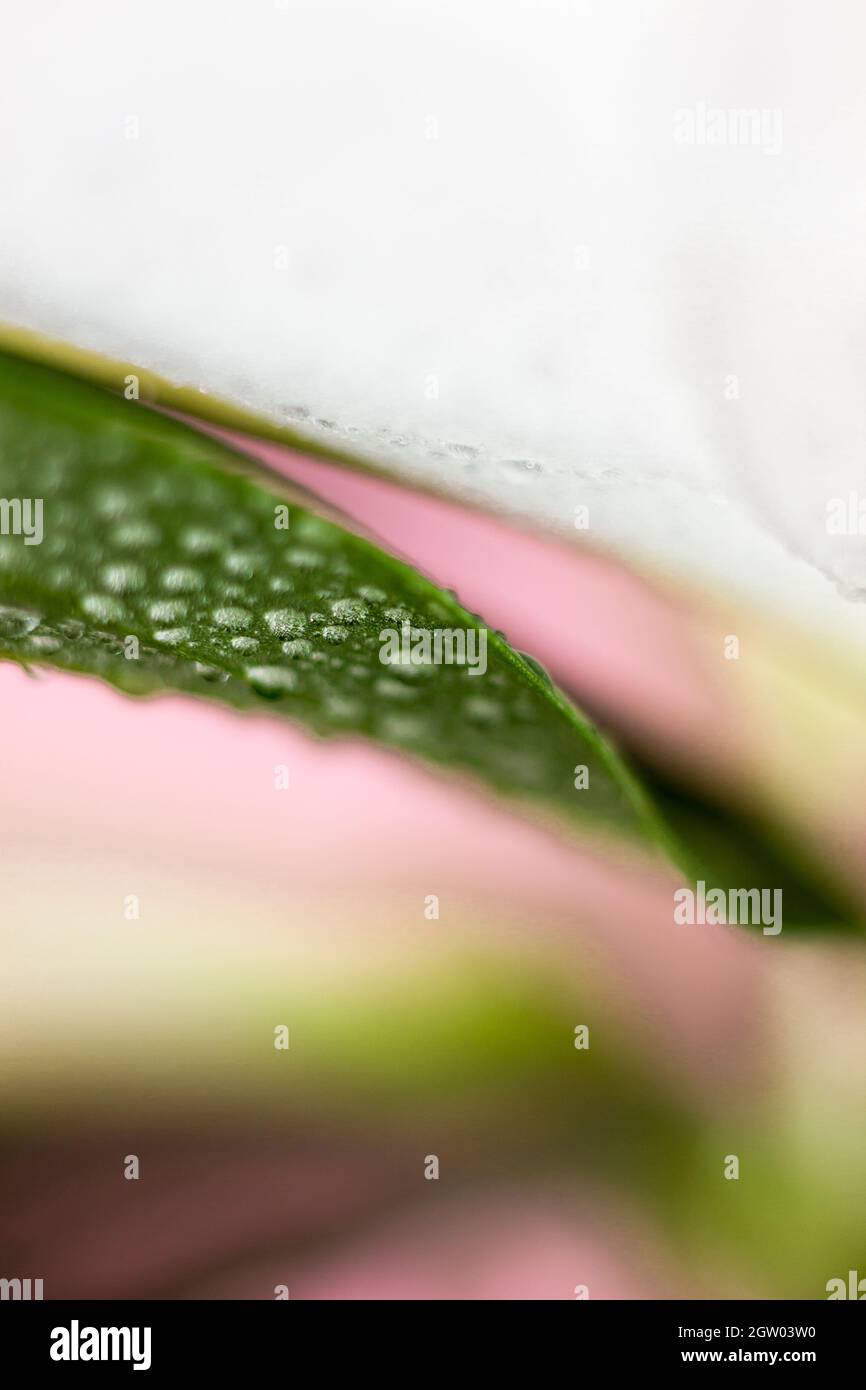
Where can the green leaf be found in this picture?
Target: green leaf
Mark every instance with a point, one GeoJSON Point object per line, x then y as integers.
{"type": "Point", "coordinates": [163, 568]}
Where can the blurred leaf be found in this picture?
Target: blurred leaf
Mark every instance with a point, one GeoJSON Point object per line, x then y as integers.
{"type": "Point", "coordinates": [731, 849]}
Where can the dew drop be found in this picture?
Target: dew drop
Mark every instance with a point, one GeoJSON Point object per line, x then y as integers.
{"type": "Point", "coordinates": [524, 766]}
{"type": "Point", "coordinates": [298, 646]}
{"type": "Point", "coordinates": [350, 610]}
{"type": "Point", "coordinates": [61, 576]}
{"type": "Point", "coordinates": [402, 728]}
{"type": "Point", "coordinates": [44, 643]}
{"type": "Point", "coordinates": [199, 540]}
{"type": "Point", "coordinates": [242, 563]}
{"type": "Point", "coordinates": [286, 622]}
{"type": "Point", "coordinates": [244, 644]}
{"type": "Point", "coordinates": [103, 608]}
{"type": "Point", "coordinates": [537, 667]}
{"type": "Point", "coordinates": [372, 594]}
{"type": "Point", "coordinates": [180, 579]}
{"type": "Point", "coordinates": [158, 487]}
{"type": "Point", "coordinates": [239, 526]}
{"type": "Point", "coordinates": [235, 619]}
{"type": "Point", "coordinates": [393, 690]}
{"type": "Point", "coordinates": [210, 673]}
{"type": "Point", "coordinates": [407, 670]}
{"type": "Point", "coordinates": [134, 534]}
{"type": "Point", "coordinates": [122, 579]}
{"type": "Point", "coordinates": [110, 641]}
{"type": "Point", "coordinates": [302, 558]}
{"type": "Point", "coordinates": [111, 502]}
{"type": "Point", "coordinates": [480, 710]}
{"type": "Point", "coordinates": [171, 636]}
{"type": "Point", "coordinates": [17, 622]}
{"type": "Point", "coordinates": [271, 681]}
{"type": "Point", "coordinates": [519, 470]}
{"type": "Point", "coordinates": [333, 633]}
{"type": "Point", "coordinates": [167, 610]}
{"type": "Point", "coordinates": [312, 528]}
{"type": "Point", "coordinates": [343, 710]}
